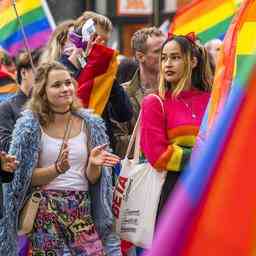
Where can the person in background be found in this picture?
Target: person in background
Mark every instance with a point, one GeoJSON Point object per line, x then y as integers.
{"type": "Point", "coordinates": [8, 84]}
{"type": "Point", "coordinates": [170, 124]}
{"type": "Point", "coordinates": [62, 149]}
{"type": "Point", "coordinates": [118, 106]}
{"type": "Point", "coordinates": [58, 43]}
{"type": "Point", "coordinates": [146, 44]}
{"type": "Point", "coordinates": [213, 47]}
{"type": "Point", "coordinates": [10, 110]}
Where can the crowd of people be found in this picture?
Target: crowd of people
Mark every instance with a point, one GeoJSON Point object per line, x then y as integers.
{"type": "Point", "coordinates": [50, 142]}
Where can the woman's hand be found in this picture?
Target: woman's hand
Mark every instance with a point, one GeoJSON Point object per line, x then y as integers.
{"type": "Point", "coordinates": [62, 164]}
{"type": "Point", "coordinates": [8, 162]}
{"type": "Point", "coordinates": [99, 156]}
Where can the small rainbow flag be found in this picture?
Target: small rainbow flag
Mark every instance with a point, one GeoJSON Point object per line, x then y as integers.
{"type": "Point", "coordinates": [212, 210]}
{"type": "Point", "coordinates": [37, 21]}
{"type": "Point", "coordinates": [209, 19]}
{"type": "Point", "coordinates": [96, 79]}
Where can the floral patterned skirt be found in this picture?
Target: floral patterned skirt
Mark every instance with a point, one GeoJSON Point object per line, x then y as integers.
{"type": "Point", "coordinates": [64, 226]}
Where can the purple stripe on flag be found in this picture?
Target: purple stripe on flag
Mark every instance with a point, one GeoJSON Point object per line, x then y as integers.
{"type": "Point", "coordinates": [35, 41]}
{"type": "Point", "coordinates": [177, 214]}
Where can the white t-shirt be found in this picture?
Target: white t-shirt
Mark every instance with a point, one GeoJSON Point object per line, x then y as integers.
{"type": "Point", "coordinates": [74, 178]}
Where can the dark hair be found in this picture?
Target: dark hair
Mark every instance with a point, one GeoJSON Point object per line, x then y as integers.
{"type": "Point", "coordinates": [23, 61]}
{"type": "Point", "coordinates": [201, 75]}
{"type": "Point", "coordinates": [126, 70]}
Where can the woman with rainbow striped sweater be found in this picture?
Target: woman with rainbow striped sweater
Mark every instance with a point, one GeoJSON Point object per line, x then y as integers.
{"type": "Point", "coordinates": [169, 126]}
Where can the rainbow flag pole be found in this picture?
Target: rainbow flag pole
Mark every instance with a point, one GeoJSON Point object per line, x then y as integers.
{"type": "Point", "coordinates": [24, 35]}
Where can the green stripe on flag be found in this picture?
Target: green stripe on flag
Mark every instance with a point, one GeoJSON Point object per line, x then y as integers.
{"type": "Point", "coordinates": [215, 31]}
{"type": "Point", "coordinates": [28, 18]}
{"type": "Point", "coordinates": [245, 64]}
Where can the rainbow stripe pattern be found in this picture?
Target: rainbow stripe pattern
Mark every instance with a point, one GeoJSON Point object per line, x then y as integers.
{"type": "Point", "coordinates": [36, 25]}
{"type": "Point", "coordinates": [177, 154]}
{"type": "Point", "coordinates": [8, 85]}
{"type": "Point", "coordinates": [96, 79]}
{"type": "Point", "coordinates": [212, 211]}
{"type": "Point", "coordinates": [208, 19]}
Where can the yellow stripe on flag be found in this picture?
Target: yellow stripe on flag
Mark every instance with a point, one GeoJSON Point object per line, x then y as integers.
{"type": "Point", "coordinates": [207, 20]}
{"type": "Point", "coordinates": [246, 39]}
{"type": "Point", "coordinates": [23, 6]}
{"type": "Point", "coordinates": [102, 87]}
{"type": "Point", "coordinates": [176, 158]}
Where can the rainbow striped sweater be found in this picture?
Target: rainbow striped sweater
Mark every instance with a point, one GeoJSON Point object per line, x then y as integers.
{"type": "Point", "coordinates": [167, 137]}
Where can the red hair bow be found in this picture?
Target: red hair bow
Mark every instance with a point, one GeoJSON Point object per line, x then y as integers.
{"type": "Point", "coordinates": [190, 36]}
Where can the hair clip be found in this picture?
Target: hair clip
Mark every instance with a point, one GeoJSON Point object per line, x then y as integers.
{"type": "Point", "coordinates": [190, 36]}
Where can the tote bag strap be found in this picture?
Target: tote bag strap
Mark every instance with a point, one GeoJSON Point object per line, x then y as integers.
{"type": "Point", "coordinates": [135, 138]}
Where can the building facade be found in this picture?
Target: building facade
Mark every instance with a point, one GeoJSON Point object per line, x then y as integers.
{"type": "Point", "coordinates": [127, 16]}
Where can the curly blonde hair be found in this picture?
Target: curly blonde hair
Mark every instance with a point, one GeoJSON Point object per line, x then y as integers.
{"type": "Point", "coordinates": [38, 103]}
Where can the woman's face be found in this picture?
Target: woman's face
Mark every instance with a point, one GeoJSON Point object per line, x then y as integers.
{"type": "Point", "coordinates": [173, 63]}
{"type": "Point", "coordinates": [60, 90]}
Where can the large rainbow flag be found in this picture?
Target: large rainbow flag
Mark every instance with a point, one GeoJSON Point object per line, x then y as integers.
{"type": "Point", "coordinates": [96, 79]}
{"type": "Point", "coordinates": [37, 21]}
{"type": "Point", "coordinates": [212, 210]}
{"type": "Point", "coordinates": [209, 19]}
{"type": "Point", "coordinates": [237, 48]}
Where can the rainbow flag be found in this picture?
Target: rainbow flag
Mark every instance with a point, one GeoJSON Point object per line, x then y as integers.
{"type": "Point", "coordinates": [8, 85]}
{"type": "Point", "coordinates": [212, 210]}
{"type": "Point", "coordinates": [96, 79]}
{"type": "Point", "coordinates": [37, 21]}
{"type": "Point", "coordinates": [237, 48]}
{"type": "Point", "coordinates": [209, 19]}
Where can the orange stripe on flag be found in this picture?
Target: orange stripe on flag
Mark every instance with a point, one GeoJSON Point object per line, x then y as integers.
{"type": "Point", "coordinates": [102, 87]}
{"type": "Point", "coordinates": [196, 8]}
{"type": "Point", "coordinates": [10, 88]}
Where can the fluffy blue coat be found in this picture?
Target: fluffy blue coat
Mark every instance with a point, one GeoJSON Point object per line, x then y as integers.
{"type": "Point", "coordinates": [25, 146]}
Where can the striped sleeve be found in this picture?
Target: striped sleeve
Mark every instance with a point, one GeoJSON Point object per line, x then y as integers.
{"type": "Point", "coordinates": [164, 149]}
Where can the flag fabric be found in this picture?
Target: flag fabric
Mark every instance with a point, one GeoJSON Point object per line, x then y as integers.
{"type": "Point", "coordinates": [35, 18]}
{"type": "Point", "coordinates": [239, 45]}
{"type": "Point", "coordinates": [96, 79]}
{"type": "Point", "coordinates": [212, 210]}
{"type": "Point", "coordinates": [8, 85]}
{"type": "Point", "coordinates": [207, 18]}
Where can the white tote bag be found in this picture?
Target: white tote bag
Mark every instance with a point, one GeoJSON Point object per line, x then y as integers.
{"type": "Point", "coordinates": [136, 197]}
